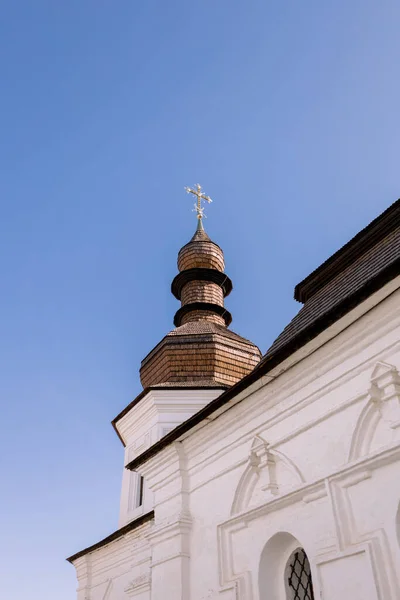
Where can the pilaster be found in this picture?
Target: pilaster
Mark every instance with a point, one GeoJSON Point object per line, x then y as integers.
{"type": "Point", "coordinates": [84, 576]}
{"type": "Point", "coordinates": [167, 477]}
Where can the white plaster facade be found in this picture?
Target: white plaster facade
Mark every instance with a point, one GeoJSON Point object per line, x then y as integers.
{"type": "Point", "coordinates": [307, 456]}
{"type": "Point", "coordinates": [155, 415]}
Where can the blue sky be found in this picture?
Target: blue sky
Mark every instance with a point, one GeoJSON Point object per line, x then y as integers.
{"type": "Point", "coordinates": [287, 114]}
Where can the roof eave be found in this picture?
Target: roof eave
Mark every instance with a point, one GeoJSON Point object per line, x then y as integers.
{"type": "Point", "coordinates": [114, 536]}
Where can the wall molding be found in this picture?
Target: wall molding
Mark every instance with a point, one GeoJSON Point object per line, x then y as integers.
{"type": "Point", "coordinates": [261, 458]}
{"type": "Point", "coordinates": [383, 404]}
{"type": "Point", "coordinates": [336, 487]}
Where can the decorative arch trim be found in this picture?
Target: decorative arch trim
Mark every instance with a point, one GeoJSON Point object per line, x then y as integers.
{"type": "Point", "coordinates": [364, 431]}
{"type": "Point", "coordinates": [261, 456]}
{"type": "Point", "coordinates": [383, 403]}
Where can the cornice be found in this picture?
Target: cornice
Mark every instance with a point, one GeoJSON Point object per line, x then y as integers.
{"type": "Point", "coordinates": [157, 400]}
{"type": "Point", "coordinates": [175, 525]}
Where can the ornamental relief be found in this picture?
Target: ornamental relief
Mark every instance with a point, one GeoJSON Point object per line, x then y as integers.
{"type": "Point", "coordinates": [139, 446]}
{"type": "Point", "coordinates": [268, 473]}
{"type": "Point", "coordinates": [379, 422]}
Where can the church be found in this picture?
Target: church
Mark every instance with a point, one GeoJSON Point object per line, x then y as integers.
{"type": "Point", "coordinates": [274, 477]}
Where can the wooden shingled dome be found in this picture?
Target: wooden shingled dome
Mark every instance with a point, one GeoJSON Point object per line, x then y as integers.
{"type": "Point", "coordinates": [201, 350]}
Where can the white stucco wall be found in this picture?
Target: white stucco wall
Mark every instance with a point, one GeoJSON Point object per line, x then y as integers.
{"type": "Point", "coordinates": [155, 415]}
{"type": "Point", "coordinates": [119, 570]}
{"type": "Point", "coordinates": [309, 457]}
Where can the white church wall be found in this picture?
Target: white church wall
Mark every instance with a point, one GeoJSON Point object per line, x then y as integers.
{"type": "Point", "coordinates": [121, 569]}
{"type": "Point", "coordinates": [155, 415]}
{"type": "Point", "coordinates": [294, 457]}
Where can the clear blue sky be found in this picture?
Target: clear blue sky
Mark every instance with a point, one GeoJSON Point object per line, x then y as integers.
{"type": "Point", "coordinates": [286, 112]}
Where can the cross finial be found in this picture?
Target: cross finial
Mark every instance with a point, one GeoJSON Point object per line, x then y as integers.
{"type": "Point", "coordinates": [197, 191]}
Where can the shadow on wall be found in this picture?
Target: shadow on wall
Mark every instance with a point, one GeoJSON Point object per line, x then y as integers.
{"type": "Point", "coordinates": [284, 572]}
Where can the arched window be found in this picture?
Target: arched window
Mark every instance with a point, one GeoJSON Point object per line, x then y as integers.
{"type": "Point", "coordinates": [298, 577]}
{"type": "Point", "coordinates": [284, 570]}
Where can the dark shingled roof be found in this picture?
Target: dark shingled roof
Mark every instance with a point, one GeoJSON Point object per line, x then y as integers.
{"type": "Point", "coordinates": [372, 251]}
{"type": "Point", "coordinates": [360, 243]}
{"type": "Point", "coordinates": [359, 269]}
{"type": "Point", "coordinates": [346, 283]}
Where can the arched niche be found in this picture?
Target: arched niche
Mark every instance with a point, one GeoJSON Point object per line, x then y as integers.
{"type": "Point", "coordinates": [275, 567]}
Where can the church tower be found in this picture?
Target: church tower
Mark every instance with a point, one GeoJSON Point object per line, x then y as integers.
{"type": "Point", "coordinates": [201, 350]}
{"type": "Point", "coordinates": [192, 365]}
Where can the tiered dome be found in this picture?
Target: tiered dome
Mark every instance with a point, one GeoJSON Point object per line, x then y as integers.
{"type": "Point", "coordinates": [201, 284]}
{"type": "Point", "coordinates": [201, 351]}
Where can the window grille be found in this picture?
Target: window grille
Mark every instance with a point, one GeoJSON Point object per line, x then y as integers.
{"type": "Point", "coordinates": [299, 580]}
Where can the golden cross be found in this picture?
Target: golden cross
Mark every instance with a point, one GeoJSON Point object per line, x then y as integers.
{"type": "Point", "coordinates": [200, 196]}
